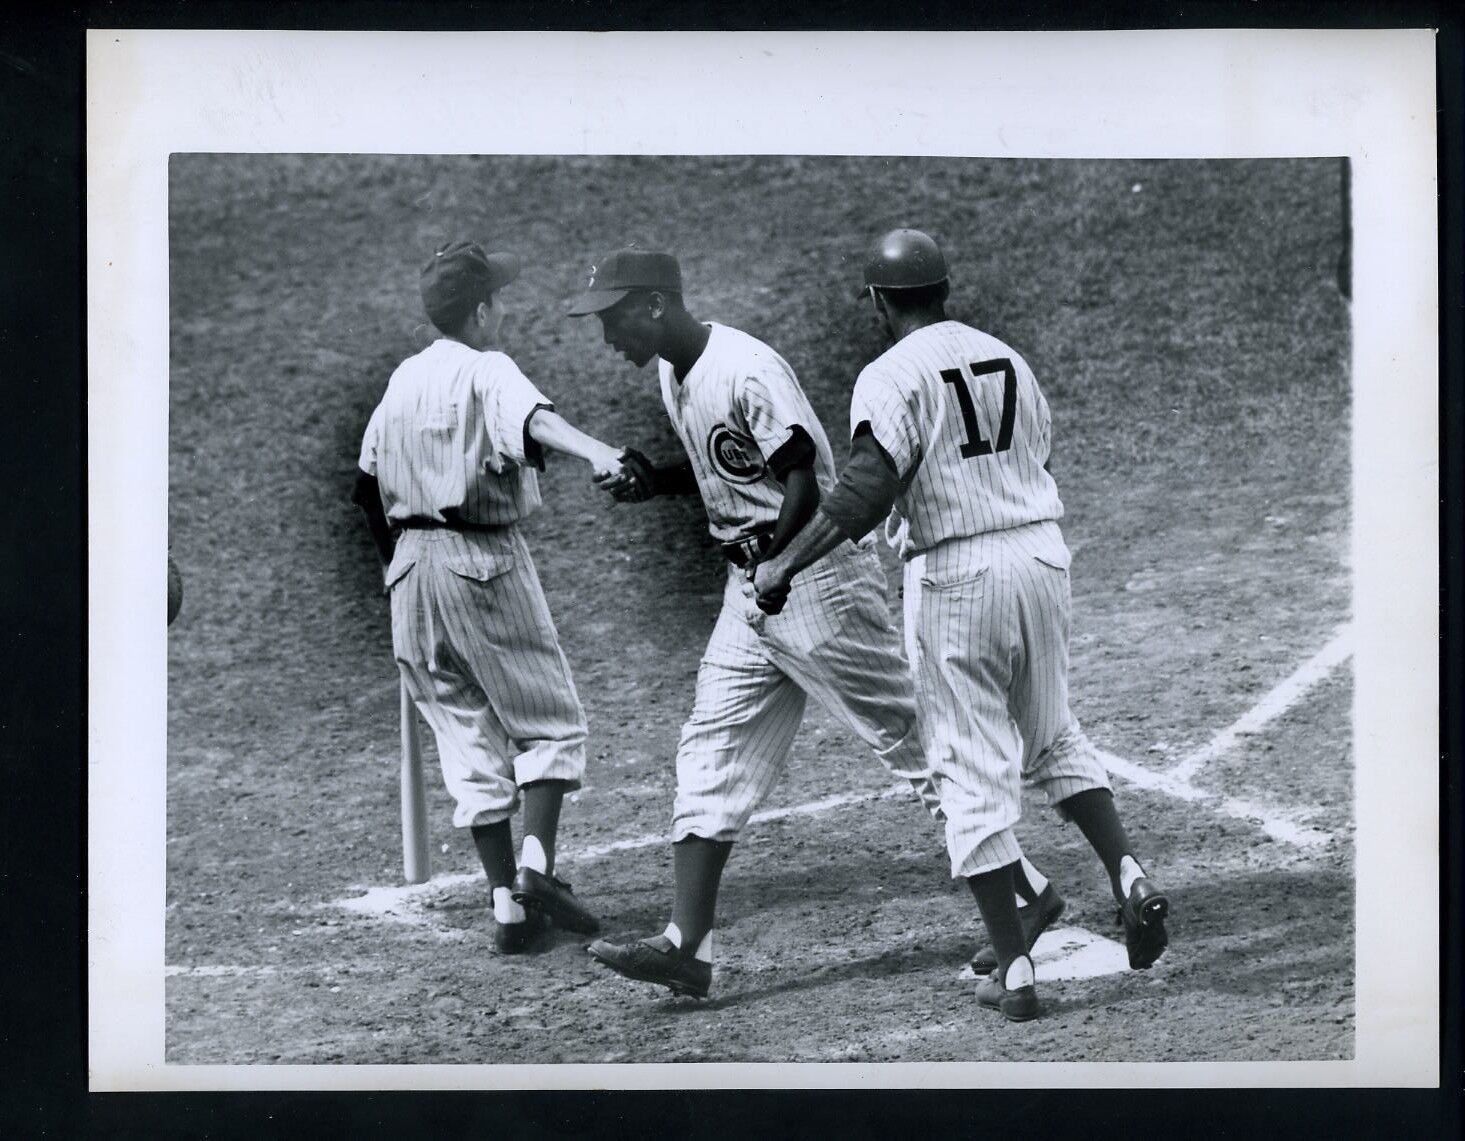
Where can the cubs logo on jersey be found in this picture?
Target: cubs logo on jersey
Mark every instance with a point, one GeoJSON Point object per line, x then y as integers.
{"type": "Point", "coordinates": [734, 457]}
{"type": "Point", "coordinates": [736, 407]}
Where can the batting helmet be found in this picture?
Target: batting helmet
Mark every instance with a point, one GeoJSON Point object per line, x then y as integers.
{"type": "Point", "coordinates": [904, 259]}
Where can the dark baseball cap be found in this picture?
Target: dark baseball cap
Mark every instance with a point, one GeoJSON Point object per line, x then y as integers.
{"type": "Point", "coordinates": [620, 272]}
{"type": "Point", "coordinates": [460, 275]}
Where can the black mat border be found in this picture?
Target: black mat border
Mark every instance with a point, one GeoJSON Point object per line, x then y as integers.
{"type": "Point", "coordinates": [42, 606]}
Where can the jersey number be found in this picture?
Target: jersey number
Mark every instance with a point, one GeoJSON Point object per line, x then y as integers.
{"type": "Point", "coordinates": [975, 444]}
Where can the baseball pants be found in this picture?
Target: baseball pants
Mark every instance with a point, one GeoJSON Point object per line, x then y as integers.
{"type": "Point", "coordinates": [475, 642]}
{"type": "Point", "coordinates": [987, 625]}
{"type": "Point", "coordinates": [833, 640]}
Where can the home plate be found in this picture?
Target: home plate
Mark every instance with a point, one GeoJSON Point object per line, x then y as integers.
{"type": "Point", "coordinates": [1073, 953]}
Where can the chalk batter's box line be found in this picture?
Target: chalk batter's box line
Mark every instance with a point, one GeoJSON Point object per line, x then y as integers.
{"type": "Point", "coordinates": [1282, 824]}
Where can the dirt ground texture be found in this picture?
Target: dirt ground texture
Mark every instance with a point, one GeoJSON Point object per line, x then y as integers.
{"type": "Point", "coordinates": [1184, 322]}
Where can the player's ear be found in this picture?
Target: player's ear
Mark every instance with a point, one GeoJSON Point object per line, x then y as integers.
{"type": "Point", "coordinates": [655, 305]}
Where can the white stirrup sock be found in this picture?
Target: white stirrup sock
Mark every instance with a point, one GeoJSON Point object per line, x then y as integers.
{"type": "Point", "coordinates": [505, 910]}
{"type": "Point", "coordinates": [1129, 871]}
{"type": "Point", "coordinates": [1019, 973]}
{"type": "Point", "coordinates": [1036, 880]}
{"type": "Point", "coordinates": [703, 953]}
{"type": "Point", "coordinates": [532, 855]}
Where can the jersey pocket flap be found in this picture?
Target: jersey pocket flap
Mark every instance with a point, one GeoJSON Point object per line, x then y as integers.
{"type": "Point", "coordinates": [481, 566]}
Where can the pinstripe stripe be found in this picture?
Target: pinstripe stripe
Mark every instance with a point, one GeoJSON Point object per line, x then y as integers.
{"type": "Point", "coordinates": [471, 630]}
{"type": "Point", "coordinates": [918, 419]}
{"type": "Point", "coordinates": [987, 625]}
{"type": "Point", "coordinates": [987, 596]}
{"type": "Point", "coordinates": [448, 435]}
{"type": "Point", "coordinates": [473, 638]}
{"type": "Point", "coordinates": [833, 640]}
{"type": "Point", "coordinates": [741, 399]}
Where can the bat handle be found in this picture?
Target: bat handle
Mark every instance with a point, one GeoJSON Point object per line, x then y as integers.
{"type": "Point", "coordinates": [416, 860]}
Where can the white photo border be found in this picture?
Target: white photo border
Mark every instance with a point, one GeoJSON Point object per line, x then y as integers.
{"type": "Point", "coordinates": [1368, 95]}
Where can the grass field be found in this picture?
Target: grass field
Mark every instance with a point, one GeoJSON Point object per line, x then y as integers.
{"type": "Point", "coordinates": [1185, 323]}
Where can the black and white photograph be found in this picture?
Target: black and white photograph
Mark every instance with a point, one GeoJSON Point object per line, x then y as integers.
{"type": "Point", "coordinates": [758, 605]}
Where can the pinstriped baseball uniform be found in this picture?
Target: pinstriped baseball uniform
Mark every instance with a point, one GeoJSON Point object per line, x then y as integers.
{"type": "Point", "coordinates": [987, 597]}
{"type": "Point", "coordinates": [737, 406]}
{"type": "Point", "coordinates": [471, 630]}
{"type": "Point", "coordinates": [734, 409]}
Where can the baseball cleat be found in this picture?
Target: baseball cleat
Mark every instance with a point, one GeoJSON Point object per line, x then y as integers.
{"type": "Point", "coordinates": [551, 895]}
{"type": "Point", "coordinates": [1017, 1005]}
{"type": "Point", "coordinates": [516, 938]}
{"type": "Point", "coordinates": [1143, 915]}
{"type": "Point", "coordinates": [1036, 918]}
{"type": "Point", "coordinates": [655, 960]}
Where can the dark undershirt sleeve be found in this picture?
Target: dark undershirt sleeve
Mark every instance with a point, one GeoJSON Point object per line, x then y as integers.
{"type": "Point", "coordinates": [867, 488]}
{"type": "Point", "coordinates": [533, 449]}
{"type": "Point", "coordinates": [797, 451]}
{"type": "Point", "coordinates": [676, 479]}
{"type": "Point", "coordinates": [366, 494]}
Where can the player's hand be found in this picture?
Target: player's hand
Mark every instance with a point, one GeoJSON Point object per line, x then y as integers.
{"type": "Point", "coordinates": [606, 464]}
{"type": "Point", "coordinates": [608, 471]}
{"type": "Point", "coordinates": [771, 585]}
{"type": "Point", "coordinates": [633, 479]}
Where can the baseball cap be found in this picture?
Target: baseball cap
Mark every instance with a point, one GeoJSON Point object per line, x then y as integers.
{"type": "Point", "coordinates": [620, 272]}
{"type": "Point", "coordinates": [460, 273]}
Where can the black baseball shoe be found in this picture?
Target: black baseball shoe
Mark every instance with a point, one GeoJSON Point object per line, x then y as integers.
{"type": "Point", "coordinates": [517, 938]}
{"type": "Point", "coordinates": [551, 895]}
{"type": "Point", "coordinates": [655, 960]}
{"type": "Point", "coordinates": [1036, 918]}
{"type": "Point", "coordinates": [1143, 915]}
{"type": "Point", "coordinates": [1018, 1005]}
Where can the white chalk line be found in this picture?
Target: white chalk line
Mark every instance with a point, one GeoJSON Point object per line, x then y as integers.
{"type": "Point", "coordinates": [1279, 823]}
{"type": "Point", "coordinates": [403, 902]}
{"type": "Point", "coordinates": [1282, 824]}
{"type": "Point", "coordinates": [1277, 701]}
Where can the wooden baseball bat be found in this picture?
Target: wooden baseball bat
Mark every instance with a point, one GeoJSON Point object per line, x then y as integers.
{"type": "Point", "coordinates": [416, 861]}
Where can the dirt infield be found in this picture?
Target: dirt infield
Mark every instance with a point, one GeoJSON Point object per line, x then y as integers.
{"type": "Point", "coordinates": [1184, 322]}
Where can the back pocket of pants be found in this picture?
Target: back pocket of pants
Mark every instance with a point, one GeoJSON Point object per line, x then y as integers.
{"type": "Point", "coordinates": [397, 569]}
{"type": "Point", "coordinates": [956, 577]}
{"type": "Point", "coordinates": [1055, 561]}
{"type": "Point", "coordinates": [479, 566]}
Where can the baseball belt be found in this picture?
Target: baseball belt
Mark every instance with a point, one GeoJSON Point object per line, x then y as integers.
{"type": "Point", "coordinates": [424, 523]}
{"type": "Point", "coordinates": [751, 548]}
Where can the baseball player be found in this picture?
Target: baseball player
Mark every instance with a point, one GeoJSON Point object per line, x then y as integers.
{"type": "Point", "coordinates": [759, 457]}
{"type": "Point", "coordinates": [448, 468]}
{"type": "Point", "coordinates": [949, 427]}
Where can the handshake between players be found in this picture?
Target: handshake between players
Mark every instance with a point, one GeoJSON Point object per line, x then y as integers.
{"type": "Point", "coordinates": [636, 479]}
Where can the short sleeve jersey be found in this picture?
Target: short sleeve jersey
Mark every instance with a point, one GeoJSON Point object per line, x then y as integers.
{"type": "Point", "coordinates": [449, 440]}
{"type": "Point", "coordinates": [961, 415]}
{"type": "Point", "coordinates": [735, 408]}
